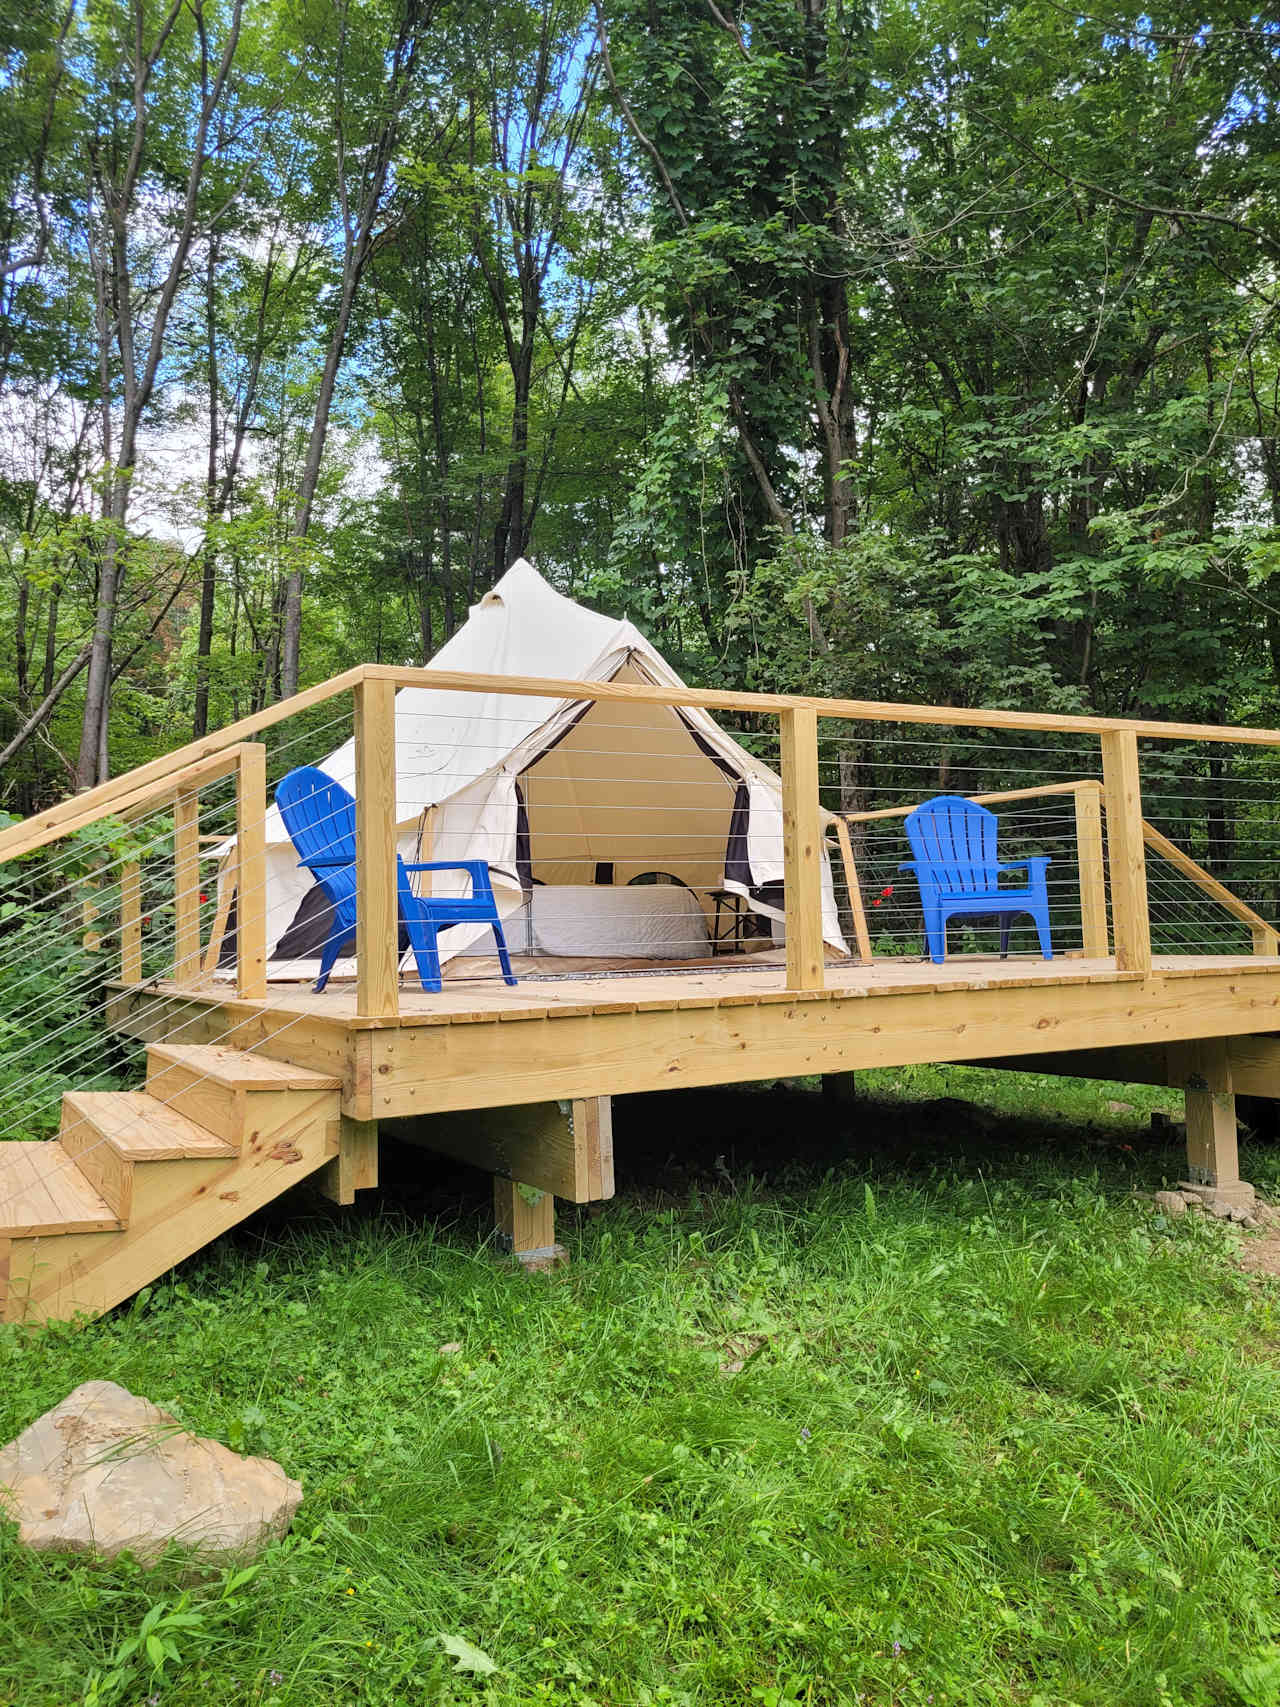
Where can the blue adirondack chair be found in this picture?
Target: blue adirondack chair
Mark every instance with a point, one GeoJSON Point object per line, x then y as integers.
{"type": "Point", "coordinates": [320, 817]}
{"type": "Point", "coordinates": [954, 841]}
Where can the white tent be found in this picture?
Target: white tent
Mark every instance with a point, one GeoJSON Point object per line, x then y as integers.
{"type": "Point", "coordinates": [607, 825]}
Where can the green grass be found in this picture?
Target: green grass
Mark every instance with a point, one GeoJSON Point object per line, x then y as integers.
{"type": "Point", "coordinates": [998, 1435]}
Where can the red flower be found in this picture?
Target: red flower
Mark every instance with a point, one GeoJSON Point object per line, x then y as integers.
{"type": "Point", "coordinates": [204, 897]}
{"type": "Point", "coordinates": [875, 903]}
{"type": "Point", "coordinates": [887, 890]}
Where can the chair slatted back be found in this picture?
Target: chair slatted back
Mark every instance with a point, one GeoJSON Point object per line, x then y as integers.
{"type": "Point", "coordinates": [956, 840]}
{"type": "Point", "coordinates": [320, 817]}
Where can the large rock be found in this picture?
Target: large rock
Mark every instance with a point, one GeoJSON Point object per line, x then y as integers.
{"type": "Point", "coordinates": [1170, 1203]}
{"type": "Point", "coordinates": [105, 1472]}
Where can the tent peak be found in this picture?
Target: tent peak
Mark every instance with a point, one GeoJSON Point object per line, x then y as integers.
{"type": "Point", "coordinates": [520, 570]}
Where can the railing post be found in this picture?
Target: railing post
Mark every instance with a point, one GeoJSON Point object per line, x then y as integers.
{"type": "Point", "coordinates": [802, 847]}
{"type": "Point", "coordinates": [1093, 882]}
{"type": "Point", "coordinates": [186, 885]}
{"type": "Point", "coordinates": [1129, 917]}
{"type": "Point", "coordinates": [857, 911]}
{"type": "Point", "coordinates": [131, 922]}
{"type": "Point", "coordinates": [377, 912]}
{"type": "Point", "coordinates": [91, 938]}
{"type": "Point", "coordinates": [251, 873]}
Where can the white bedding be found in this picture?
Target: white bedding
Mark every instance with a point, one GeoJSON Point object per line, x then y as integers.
{"type": "Point", "coordinates": [660, 921]}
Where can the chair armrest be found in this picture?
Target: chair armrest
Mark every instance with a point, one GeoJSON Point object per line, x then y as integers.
{"type": "Point", "coordinates": [351, 860]}
{"type": "Point", "coordinates": [909, 866]}
{"type": "Point", "coordinates": [1036, 860]}
{"type": "Point", "coordinates": [471, 865]}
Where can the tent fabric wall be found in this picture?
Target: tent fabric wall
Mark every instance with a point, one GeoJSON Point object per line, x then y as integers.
{"type": "Point", "coordinates": [615, 770]}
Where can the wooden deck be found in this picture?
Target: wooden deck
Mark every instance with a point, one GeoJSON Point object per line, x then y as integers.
{"type": "Point", "coordinates": [480, 1044]}
{"type": "Point", "coordinates": [252, 1085]}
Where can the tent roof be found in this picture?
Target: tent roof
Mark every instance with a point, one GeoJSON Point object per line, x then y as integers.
{"type": "Point", "coordinates": [444, 739]}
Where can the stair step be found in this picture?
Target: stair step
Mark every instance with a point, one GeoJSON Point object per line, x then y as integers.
{"type": "Point", "coordinates": [233, 1093]}
{"type": "Point", "coordinates": [140, 1128]}
{"type": "Point", "coordinates": [43, 1191]}
{"type": "Point", "coordinates": [240, 1069]}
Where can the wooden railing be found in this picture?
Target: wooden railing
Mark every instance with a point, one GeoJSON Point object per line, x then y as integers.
{"type": "Point", "coordinates": [1265, 940]}
{"type": "Point", "coordinates": [1087, 795]}
{"type": "Point", "coordinates": [179, 787]}
{"type": "Point", "coordinates": [373, 688]}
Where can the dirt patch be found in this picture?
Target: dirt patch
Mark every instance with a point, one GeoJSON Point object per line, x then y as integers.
{"type": "Point", "coordinates": [1260, 1252]}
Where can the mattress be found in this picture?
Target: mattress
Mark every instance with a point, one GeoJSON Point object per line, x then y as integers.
{"type": "Point", "coordinates": [660, 921]}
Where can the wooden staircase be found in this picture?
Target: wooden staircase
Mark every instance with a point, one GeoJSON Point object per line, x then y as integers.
{"type": "Point", "coordinates": [138, 1180]}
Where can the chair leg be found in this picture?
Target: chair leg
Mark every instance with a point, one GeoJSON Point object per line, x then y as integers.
{"type": "Point", "coordinates": [1040, 913]}
{"type": "Point", "coordinates": [1006, 925]}
{"type": "Point", "coordinates": [328, 955]}
{"type": "Point", "coordinates": [1041, 916]}
{"type": "Point", "coordinates": [935, 930]}
{"type": "Point", "coordinates": [504, 959]}
{"type": "Point", "coordinates": [426, 953]}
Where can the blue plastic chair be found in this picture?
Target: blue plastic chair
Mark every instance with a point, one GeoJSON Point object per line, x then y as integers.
{"type": "Point", "coordinates": [954, 841]}
{"type": "Point", "coordinates": [320, 817]}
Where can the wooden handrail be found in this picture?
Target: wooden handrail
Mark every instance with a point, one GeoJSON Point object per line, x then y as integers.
{"type": "Point", "coordinates": [102, 801]}
{"type": "Point", "coordinates": [978, 799]}
{"type": "Point", "coordinates": [79, 812]}
{"type": "Point", "coordinates": [875, 711]}
{"type": "Point", "coordinates": [108, 796]}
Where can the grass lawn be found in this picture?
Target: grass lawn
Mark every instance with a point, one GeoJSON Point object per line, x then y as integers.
{"type": "Point", "coordinates": [902, 1404]}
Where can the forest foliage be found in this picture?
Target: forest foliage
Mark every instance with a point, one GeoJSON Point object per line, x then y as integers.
{"type": "Point", "coordinates": [919, 352]}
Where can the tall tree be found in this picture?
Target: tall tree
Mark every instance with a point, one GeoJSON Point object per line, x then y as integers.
{"type": "Point", "coordinates": [371, 81]}
{"type": "Point", "coordinates": [129, 144]}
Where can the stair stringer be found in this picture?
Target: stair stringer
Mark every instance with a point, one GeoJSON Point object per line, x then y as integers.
{"type": "Point", "coordinates": [178, 1206]}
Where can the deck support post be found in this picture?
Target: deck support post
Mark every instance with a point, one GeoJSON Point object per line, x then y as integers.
{"type": "Point", "coordinates": [840, 1088]}
{"type": "Point", "coordinates": [802, 847]}
{"type": "Point", "coordinates": [377, 907]}
{"type": "Point", "coordinates": [355, 1167]}
{"type": "Point", "coordinates": [1126, 844]}
{"type": "Point", "coordinates": [1202, 1069]}
{"type": "Point", "coordinates": [526, 1221]}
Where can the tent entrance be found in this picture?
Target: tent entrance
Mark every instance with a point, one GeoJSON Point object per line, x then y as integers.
{"type": "Point", "coordinates": [626, 822]}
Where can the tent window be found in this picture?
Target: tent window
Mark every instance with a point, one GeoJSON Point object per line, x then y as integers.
{"type": "Point", "coordinates": [656, 877]}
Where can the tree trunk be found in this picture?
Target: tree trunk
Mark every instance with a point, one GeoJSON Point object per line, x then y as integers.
{"type": "Point", "coordinates": [358, 246]}
{"type": "Point", "coordinates": [209, 559]}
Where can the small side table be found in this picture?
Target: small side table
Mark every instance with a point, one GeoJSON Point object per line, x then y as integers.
{"type": "Point", "coordinates": [729, 923]}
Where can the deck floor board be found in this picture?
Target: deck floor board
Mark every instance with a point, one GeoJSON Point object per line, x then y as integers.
{"type": "Point", "coordinates": [473, 997]}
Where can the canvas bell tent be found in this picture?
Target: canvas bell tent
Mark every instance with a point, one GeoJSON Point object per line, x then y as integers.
{"type": "Point", "coordinates": [607, 825]}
